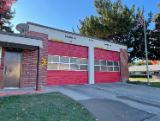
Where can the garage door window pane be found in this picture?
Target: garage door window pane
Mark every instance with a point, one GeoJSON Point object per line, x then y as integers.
{"type": "Point", "coordinates": [103, 63]}
{"type": "Point", "coordinates": [55, 59]}
{"type": "Point", "coordinates": [64, 59]}
{"type": "Point", "coordinates": [83, 67]}
{"type": "Point", "coordinates": [116, 69]}
{"type": "Point", "coordinates": [64, 67]}
{"type": "Point", "coordinates": [53, 66]}
{"type": "Point", "coordinates": [116, 63]}
{"type": "Point", "coordinates": [83, 61]}
{"type": "Point", "coordinates": [110, 68]}
{"type": "Point", "coordinates": [103, 68]}
{"type": "Point", "coordinates": [74, 60]}
{"type": "Point", "coordinates": [49, 59]}
{"type": "Point", "coordinates": [96, 62]}
{"type": "Point", "coordinates": [74, 67]}
{"type": "Point", "coordinates": [109, 63]}
{"type": "Point", "coordinates": [96, 68]}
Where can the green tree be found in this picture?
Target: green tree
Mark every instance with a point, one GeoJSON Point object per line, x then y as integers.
{"type": "Point", "coordinates": [113, 19]}
{"type": "Point", "coordinates": [6, 14]}
{"type": "Point", "coordinates": [156, 37]}
{"type": "Point", "coordinates": [157, 20]}
{"type": "Point", "coordinates": [136, 41]}
{"type": "Point", "coordinates": [118, 23]}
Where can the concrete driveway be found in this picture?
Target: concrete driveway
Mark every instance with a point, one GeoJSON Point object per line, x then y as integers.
{"type": "Point", "coordinates": [118, 101]}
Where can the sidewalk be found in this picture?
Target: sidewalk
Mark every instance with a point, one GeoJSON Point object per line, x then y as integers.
{"type": "Point", "coordinates": [26, 91]}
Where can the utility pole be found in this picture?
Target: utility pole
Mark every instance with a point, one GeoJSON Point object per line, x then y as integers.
{"type": "Point", "coordinates": [146, 53]}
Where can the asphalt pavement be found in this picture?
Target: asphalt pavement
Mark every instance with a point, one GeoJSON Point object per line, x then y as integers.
{"type": "Point", "coordinates": [118, 101]}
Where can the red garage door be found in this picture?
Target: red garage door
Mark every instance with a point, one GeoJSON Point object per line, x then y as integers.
{"type": "Point", "coordinates": [107, 67]}
{"type": "Point", "coordinates": [67, 64]}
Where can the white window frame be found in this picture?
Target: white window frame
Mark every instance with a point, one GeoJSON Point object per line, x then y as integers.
{"type": "Point", "coordinates": [84, 64]}
{"type": "Point", "coordinates": [116, 66]}
{"type": "Point", "coordinates": [54, 62]}
{"type": "Point", "coordinates": [63, 63]}
{"type": "Point", "coordinates": [97, 65]}
{"type": "Point", "coordinates": [103, 66]}
{"type": "Point", "coordinates": [69, 63]}
{"type": "Point", "coordinates": [107, 66]}
{"type": "Point", "coordinates": [112, 66]}
{"type": "Point", "coordinates": [73, 63]}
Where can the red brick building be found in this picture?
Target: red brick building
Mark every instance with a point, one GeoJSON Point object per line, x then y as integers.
{"type": "Point", "coordinates": [46, 56]}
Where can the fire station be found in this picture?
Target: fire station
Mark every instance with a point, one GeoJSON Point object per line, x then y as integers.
{"type": "Point", "coordinates": [42, 55]}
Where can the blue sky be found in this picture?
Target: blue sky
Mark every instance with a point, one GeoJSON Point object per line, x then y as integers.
{"type": "Point", "coordinates": [65, 14]}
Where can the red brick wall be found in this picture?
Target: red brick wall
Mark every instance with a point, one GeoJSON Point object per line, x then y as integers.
{"type": "Point", "coordinates": [31, 80]}
{"type": "Point", "coordinates": [124, 65]}
{"type": "Point", "coordinates": [29, 68]}
{"type": "Point", "coordinates": [29, 64]}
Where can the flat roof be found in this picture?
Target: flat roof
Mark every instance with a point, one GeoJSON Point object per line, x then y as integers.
{"type": "Point", "coordinates": [11, 39]}
{"type": "Point", "coordinates": [19, 35]}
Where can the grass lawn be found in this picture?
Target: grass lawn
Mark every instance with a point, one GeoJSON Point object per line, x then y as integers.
{"type": "Point", "coordinates": [144, 79]}
{"type": "Point", "coordinates": [42, 107]}
{"type": "Point", "coordinates": [153, 82]}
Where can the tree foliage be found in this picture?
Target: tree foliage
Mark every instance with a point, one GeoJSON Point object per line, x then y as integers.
{"type": "Point", "coordinates": [118, 23]}
{"type": "Point", "coordinates": [6, 15]}
{"type": "Point", "coordinates": [155, 36]}
{"type": "Point", "coordinates": [157, 21]}
{"type": "Point", "coordinates": [111, 20]}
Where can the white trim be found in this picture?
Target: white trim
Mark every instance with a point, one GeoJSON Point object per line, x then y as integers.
{"type": "Point", "coordinates": [75, 39]}
{"type": "Point", "coordinates": [20, 40]}
{"type": "Point", "coordinates": [112, 66]}
{"type": "Point", "coordinates": [67, 63]}
{"type": "Point", "coordinates": [91, 65]}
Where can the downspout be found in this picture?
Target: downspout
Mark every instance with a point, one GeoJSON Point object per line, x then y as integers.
{"type": "Point", "coordinates": [37, 78]}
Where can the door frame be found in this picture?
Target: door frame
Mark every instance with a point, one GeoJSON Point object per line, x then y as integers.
{"type": "Point", "coordinates": [14, 51]}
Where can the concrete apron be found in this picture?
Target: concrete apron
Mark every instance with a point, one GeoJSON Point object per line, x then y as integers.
{"type": "Point", "coordinates": [26, 91]}
{"type": "Point", "coordinates": [109, 106]}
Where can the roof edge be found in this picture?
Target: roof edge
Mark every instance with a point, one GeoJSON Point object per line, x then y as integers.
{"type": "Point", "coordinates": [19, 35]}
{"type": "Point", "coordinates": [43, 26]}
